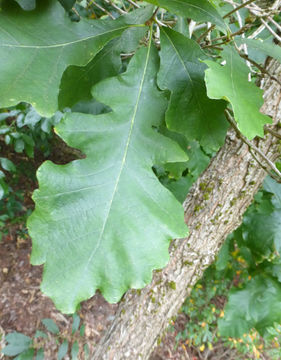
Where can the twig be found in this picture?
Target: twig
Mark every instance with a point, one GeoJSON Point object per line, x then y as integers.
{"type": "Point", "coordinates": [133, 3]}
{"type": "Point", "coordinates": [240, 22]}
{"type": "Point", "coordinates": [261, 68]}
{"type": "Point", "coordinates": [238, 8]}
{"type": "Point", "coordinates": [92, 2]}
{"type": "Point", "coordinates": [254, 11]}
{"type": "Point", "coordinates": [253, 147]}
{"type": "Point", "coordinates": [272, 132]}
{"type": "Point", "coordinates": [215, 46]}
{"type": "Point", "coordinates": [155, 13]}
{"type": "Point", "coordinates": [271, 30]}
{"type": "Point", "coordinates": [275, 177]}
{"type": "Point", "coordinates": [76, 12]}
{"type": "Point", "coordinates": [205, 33]}
{"type": "Point", "coordinates": [238, 32]}
{"type": "Point", "coordinates": [274, 23]}
{"type": "Point", "coordinates": [122, 12]}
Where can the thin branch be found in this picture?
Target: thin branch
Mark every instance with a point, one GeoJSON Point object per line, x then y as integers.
{"type": "Point", "coordinates": [205, 33]}
{"type": "Point", "coordinates": [133, 3]}
{"type": "Point", "coordinates": [274, 23]}
{"type": "Point", "coordinates": [261, 68]}
{"type": "Point", "coordinates": [252, 146]}
{"type": "Point", "coordinates": [238, 8]}
{"type": "Point", "coordinates": [271, 30]}
{"type": "Point", "coordinates": [240, 22]}
{"type": "Point", "coordinates": [92, 2]}
{"type": "Point", "coordinates": [271, 174]}
{"type": "Point", "coordinates": [257, 32]}
{"type": "Point", "coordinates": [238, 32]}
{"type": "Point", "coordinates": [155, 13]}
{"type": "Point", "coordinates": [272, 132]}
{"type": "Point", "coordinates": [122, 12]}
{"type": "Point", "coordinates": [254, 11]}
{"type": "Point", "coordinates": [227, 38]}
{"type": "Point", "coordinates": [215, 46]}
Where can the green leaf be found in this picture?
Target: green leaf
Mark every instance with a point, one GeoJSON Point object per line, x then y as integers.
{"type": "Point", "coordinates": [175, 170]}
{"type": "Point", "coordinates": [262, 232]}
{"type": "Point", "coordinates": [261, 228]}
{"type": "Point", "coordinates": [198, 10]}
{"type": "Point", "coordinates": [180, 188]}
{"type": "Point", "coordinates": [86, 351]}
{"type": "Point", "coordinates": [88, 226]}
{"type": "Point", "coordinates": [4, 189]}
{"type": "Point", "coordinates": [27, 4]}
{"type": "Point", "coordinates": [47, 39]}
{"type": "Point", "coordinates": [7, 164]}
{"type": "Point", "coordinates": [274, 188]}
{"type": "Point", "coordinates": [224, 257]}
{"type": "Point", "coordinates": [268, 49]}
{"type": "Point", "coordinates": [74, 351]}
{"type": "Point", "coordinates": [41, 334]}
{"type": "Point", "coordinates": [82, 330]}
{"type": "Point", "coordinates": [32, 118]}
{"type": "Point", "coordinates": [190, 111]}
{"type": "Point", "coordinates": [19, 145]}
{"type": "Point", "coordinates": [106, 64]}
{"type": "Point", "coordinates": [27, 355]}
{"type": "Point", "coordinates": [62, 350]}
{"type": "Point", "coordinates": [198, 160]}
{"type": "Point", "coordinates": [40, 354]}
{"type": "Point", "coordinates": [256, 305]}
{"type": "Point", "coordinates": [230, 82]}
{"type": "Point", "coordinates": [76, 323]}
{"type": "Point", "coordinates": [67, 4]}
{"type": "Point", "coordinates": [17, 343]}
{"type": "Point", "coordinates": [50, 326]}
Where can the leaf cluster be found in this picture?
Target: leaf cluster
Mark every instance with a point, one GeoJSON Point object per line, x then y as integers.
{"type": "Point", "coordinates": [144, 98]}
{"type": "Point", "coordinates": [22, 347]}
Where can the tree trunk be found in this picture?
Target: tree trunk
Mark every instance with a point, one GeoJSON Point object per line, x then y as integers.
{"type": "Point", "coordinates": [213, 209]}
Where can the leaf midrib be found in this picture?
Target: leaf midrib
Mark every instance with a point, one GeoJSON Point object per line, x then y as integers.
{"type": "Point", "coordinates": [67, 43]}
{"type": "Point", "coordinates": [124, 157]}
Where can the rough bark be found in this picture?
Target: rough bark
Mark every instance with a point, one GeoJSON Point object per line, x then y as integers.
{"type": "Point", "coordinates": [213, 209]}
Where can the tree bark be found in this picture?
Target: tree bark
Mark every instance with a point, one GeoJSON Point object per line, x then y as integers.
{"type": "Point", "coordinates": [213, 209]}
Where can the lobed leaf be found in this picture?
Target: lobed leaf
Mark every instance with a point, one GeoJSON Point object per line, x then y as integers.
{"type": "Point", "coordinates": [190, 110]}
{"type": "Point", "coordinates": [256, 305]}
{"type": "Point", "coordinates": [230, 82]}
{"type": "Point", "coordinates": [105, 222]}
{"type": "Point", "coordinates": [36, 47]}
